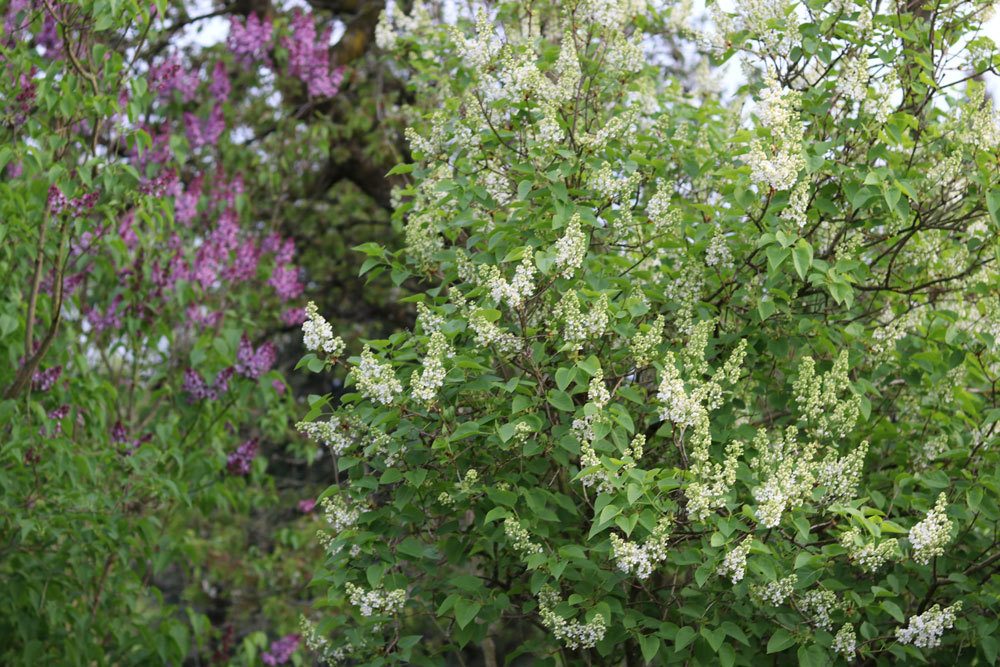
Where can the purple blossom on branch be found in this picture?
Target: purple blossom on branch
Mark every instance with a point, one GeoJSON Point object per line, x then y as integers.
{"type": "Point", "coordinates": [239, 462]}
{"type": "Point", "coordinates": [204, 132]}
{"type": "Point", "coordinates": [45, 380]}
{"type": "Point", "coordinates": [252, 363]}
{"type": "Point", "coordinates": [109, 319]}
{"type": "Point", "coordinates": [281, 650]}
{"type": "Point", "coordinates": [285, 281]}
{"type": "Point", "coordinates": [309, 57]}
{"type": "Point", "coordinates": [249, 41]}
{"type": "Point", "coordinates": [220, 86]}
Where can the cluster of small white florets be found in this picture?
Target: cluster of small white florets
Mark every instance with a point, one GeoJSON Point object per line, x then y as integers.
{"type": "Point", "coordinates": [515, 291]}
{"type": "Point", "coordinates": [980, 119]}
{"type": "Point", "coordinates": [377, 600]}
{"type": "Point", "coordinates": [597, 391]}
{"type": "Point", "coordinates": [840, 475]}
{"type": "Point", "coordinates": [320, 646]}
{"type": "Point", "coordinates": [427, 320]}
{"type": "Point", "coordinates": [621, 128]}
{"type": "Point", "coordinates": [573, 634]}
{"type": "Point", "coordinates": [870, 556]}
{"type": "Point", "coordinates": [776, 592]}
{"type": "Point", "coordinates": [714, 480]}
{"type": "Point", "coordinates": [567, 68]}
{"type": "Point", "coordinates": [818, 398]}
{"type": "Point", "coordinates": [624, 53]}
{"type": "Point", "coordinates": [426, 382]}
{"type": "Point", "coordinates": [571, 248]}
{"type": "Point", "coordinates": [642, 558]}
{"type": "Point", "coordinates": [577, 326]}
{"type": "Point", "coordinates": [644, 345]}
{"type": "Point", "coordinates": [925, 630]}
{"type": "Point", "coordinates": [480, 51]}
{"type": "Point", "coordinates": [660, 211]}
{"type": "Point", "coordinates": [718, 253]}
{"type": "Point", "coordinates": [818, 604]}
{"type": "Point", "coordinates": [334, 433]}
{"type": "Point", "coordinates": [375, 379]}
{"type": "Point", "coordinates": [930, 536]}
{"type": "Point", "coordinates": [845, 642]}
{"type": "Point", "coordinates": [798, 203]}
{"type": "Point", "coordinates": [777, 162]}
{"type": "Point", "coordinates": [676, 404]}
{"type": "Point", "coordinates": [317, 334]}
{"type": "Point", "coordinates": [786, 470]}
{"type": "Point", "coordinates": [605, 480]}
{"type": "Point", "coordinates": [340, 516]}
{"type": "Point", "coordinates": [613, 185]}
{"type": "Point", "coordinates": [734, 564]}
{"type": "Point", "coordinates": [520, 538]}
{"type": "Point", "coordinates": [489, 334]}
{"type": "Point", "coordinates": [765, 21]}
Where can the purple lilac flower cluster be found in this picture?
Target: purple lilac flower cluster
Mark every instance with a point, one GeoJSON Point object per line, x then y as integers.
{"type": "Point", "coordinates": [252, 363]}
{"type": "Point", "coordinates": [249, 41]}
{"type": "Point", "coordinates": [239, 462]}
{"type": "Point", "coordinates": [309, 57]}
{"type": "Point", "coordinates": [281, 650]}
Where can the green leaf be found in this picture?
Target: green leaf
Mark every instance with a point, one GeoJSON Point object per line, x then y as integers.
{"type": "Point", "coordinates": [465, 611]}
{"type": "Point", "coordinates": [650, 646]}
{"type": "Point", "coordinates": [802, 257]}
{"type": "Point", "coordinates": [684, 637]}
{"type": "Point", "coordinates": [780, 641]}
{"type": "Point", "coordinates": [560, 400]}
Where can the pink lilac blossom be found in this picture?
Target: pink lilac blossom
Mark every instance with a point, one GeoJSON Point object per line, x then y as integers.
{"type": "Point", "coordinates": [285, 281]}
{"type": "Point", "coordinates": [294, 316]}
{"type": "Point", "coordinates": [245, 262]}
{"type": "Point", "coordinates": [220, 87]}
{"type": "Point", "coordinates": [126, 230]}
{"type": "Point", "coordinates": [13, 22]}
{"type": "Point", "coordinates": [307, 505]}
{"type": "Point", "coordinates": [170, 75]}
{"type": "Point", "coordinates": [226, 191]}
{"type": "Point", "coordinates": [279, 387]}
{"type": "Point", "coordinates": [159, 151]}
{"type": "Point", "coordinates": [239, 462]}
{"type": "Point", "coordinates": [249, 41]}
{"type": "Point", "coordinates": [109, 319]}
{"type": "Point", "coordinates": [120, 436]}
{"type": "Point", "coordinates": [160, 185]}
{"type": "Point", "coordinates": [309, 57]}
{"type": "Point", "coordinates": [25, 98]}
{"type": "Point", "coordinates": [56, 416]}
{"type": "Point", "coordinates": [204, 317]}
{"type": "Point", "coordinates": [252, 363]}
{"type": "Point", "coordinates": [48, 38]}
{"type": "Point", "coordinates": [186, 203]}
{"type": "Point", "coordinates": [204, 132]}
{"type": "Point", "coordinates": [198, 389]}
{"type": "Point", "coordinates": [45, 380]}
{"type": "Point", "coordinates": [281, 650]}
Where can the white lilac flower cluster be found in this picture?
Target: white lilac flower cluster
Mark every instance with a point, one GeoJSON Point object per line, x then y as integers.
{"type": "Point", "coordinates": [320, 646]}
{"type": "Point", "coordinates": [925, 630]}
{"type": "Point", "coordinates": [377, 600]}
{"type": "Point", "coordinates": [571, 248]}
{"type": "Point", "coordinates": [714, 479]}
{"type": "Point", "coordinates": [375, 379]}
{"type": "Point", "coordinates": [845, 642]}
{"type": "Point", "coordinates": [334, 433]}
{"type": "Point", "coordinates": [765, 21]}
{"type": "Point", "coordinates": [517, 290]}
{"type": "Point", "coordinates": [980, 119]}
{"type": "Point", "coordinates": [606, 481]}
{"type": "Point", "coordinates": [597, 391]}
{"type": "Point", "coordinates": [817, 397]}
{"type": "Point", "coordinates": [573, 634]}
{"type": "Point", "coordinates": [340, 516]}
{"type": "Point", "coordinates": [661, 213]}
{"type": "Point", "coordinates": [676, 404]}
{"type": "Point", "coordinates": [775, 592]}
{"type": "Point", "coordinates": [718, 253]}
{"type": "Point", "coordinates": [641, 559]}
{"type": "Point", "coordinates": [870, 556]}
{"type": "Point", "coordinates": [798, 203]}
{"type": "Point", "coordinates": [840, 475]}
{"type": "Point", "coordinates": [734, 564]}
{"type": "Point", "coordinates": [776, 162]}
{"type": "Point", "coordinates": [577, 326]}
{"type": "Point", "coordinates": [613, 185]}
{"type": "Point", "coordinates": [645, 343]}
{"type": "Point", "coordinates": [520, 538]}
{"type": "Point", "coordinates": [426, 382]}
{"type": "Point", "coordinates": [930, 536]}
{"type": "Point", "coordinates": [427, 320]}
{"type": "Point", "coordinates": [786, 470]}
{"type": "Point", "coordinates": [818, 604]}
{"type": "Point", "coordinates": [317, 334]}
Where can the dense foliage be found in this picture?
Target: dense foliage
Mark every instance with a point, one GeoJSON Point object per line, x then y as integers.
{"type": "Point", "coordinates": [693, 379]}
{"type": "Point", "coordinates": [637, 369]}
{"type": "Point", "coordinates": [155, 504]}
